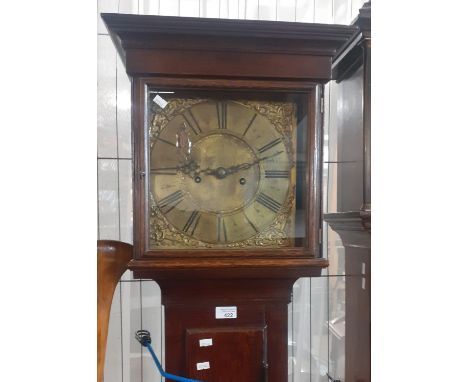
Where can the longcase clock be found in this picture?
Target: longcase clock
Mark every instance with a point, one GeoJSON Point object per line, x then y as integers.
{"type": "Point", "coordinates": [227, 136]}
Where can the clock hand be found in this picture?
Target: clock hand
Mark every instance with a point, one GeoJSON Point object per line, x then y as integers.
{"type": "Point", "coordinates": [222, 172]}
{"type": "Point", "coordinates": [186, 168]}
{"type": "Point", "coordinates": [245, 166]}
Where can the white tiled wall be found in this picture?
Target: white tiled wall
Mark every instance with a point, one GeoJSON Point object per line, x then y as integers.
{"type": "Point", "coordinates": [137, 304]}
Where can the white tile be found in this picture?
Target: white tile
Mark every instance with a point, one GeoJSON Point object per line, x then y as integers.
{"type": "Point", "coordinates": [126, 201]}
{"type": "Point", "coordinates": [266, 10]}
{"type": "Point", "coordinates": [290, 342]}
{"type": "Point", "coordinates": [190, 8]}
{"type": "Point", "coordinates": [128, 275]}
{"type": "Point", "coordinates": [124, 103]}
{"type": "Point", "coordinates": [342, 11]}
{"type": "Point", "coordinates": [163, 338]}
{"type": "Point", "coordinates": [286, 10]}
{"type": "Point", "coordinates": [224, 9]}
{"type": "Point", "coordinates": [337, 294]}
{"type": "Point", "coordinates": [251, 9]}
{"type": "Point", "coordinates": [332, 195]}
{"type": "Point", "coordinates": [108, 199]}
{"type": "Point", "coordinates": [336, 253]}
{"type": "Point", "coordinates": [128, 6]}
{"type": "Point", "coordinates": [209, 8]}
{"type": "Point", "coordinates": [152, 321]}
{"type": "Point", "coordinates": [106, 97]}
{"type": "Point", "coordinates": [356, 5]}
{"type": "Point", "coordinates": [105, 6]}
{"type": "Point", "coordinates": [324, 11]}
{"type": "Point", "coordinates": [319, 329]}
{"type": "Point", "coordinates": [305, 11]}
{"type": "Point", "coordinates": [233, 9]}
{"type": "Point", "coordinates": [301, 329]}
{"type": "Point", "coordinates": [149, 7]}
{"type": "Point", "coordinates": [131, 322]}
{"type": "Point", "coordinates": [242, 8]}
{"type": "Point", "coordinates": [113, 361]}
{"type": "Point", "coordinates": [169, 7]}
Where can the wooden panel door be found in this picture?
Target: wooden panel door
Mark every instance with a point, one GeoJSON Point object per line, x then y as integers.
{"type": "Point", "coordinates": [235, 354]}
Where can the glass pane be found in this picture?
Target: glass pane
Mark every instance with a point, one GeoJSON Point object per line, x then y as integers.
{"type": "Point", "coordinates": [227, 169]}
{"type": "Point", "coordinates": [308, 323]}
{"type": "Point", "coordinates": [336, 325]}
{"type": "Point", "coordinates": [131, 322]}
{"type": "Point", "coordinates": [112, 369]}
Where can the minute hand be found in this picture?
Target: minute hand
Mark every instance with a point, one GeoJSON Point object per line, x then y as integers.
{"type": "Point", "coordinates": [245, 166]}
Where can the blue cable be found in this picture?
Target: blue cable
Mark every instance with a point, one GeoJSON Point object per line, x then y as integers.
{"type": "Point", "coordinates": [144, 338]}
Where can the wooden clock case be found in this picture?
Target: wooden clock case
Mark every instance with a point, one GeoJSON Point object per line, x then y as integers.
{"type": "Point", "coordinates": [352, 221]}
{"type": "Point", "coordinates": [197, 53]}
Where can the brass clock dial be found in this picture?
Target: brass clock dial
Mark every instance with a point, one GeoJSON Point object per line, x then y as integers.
{"type": "Point", "coordinates": [222, 174]}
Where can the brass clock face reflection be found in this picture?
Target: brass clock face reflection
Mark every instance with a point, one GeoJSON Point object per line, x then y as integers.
{"type": "Point", "coordinates": [222, 174]}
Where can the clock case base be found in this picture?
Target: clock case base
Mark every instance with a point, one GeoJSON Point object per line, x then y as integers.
{"type": "Point", "coordinates": [251, 347]}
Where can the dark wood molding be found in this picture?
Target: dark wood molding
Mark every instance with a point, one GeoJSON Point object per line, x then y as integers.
{"type": "Point", "coordinates": [215, 268]}
{"type": "Point", "coordinates": [349, 221]}
{"type": "Point", "coordinates": [187, 46]}
{"type": "Point", "coordinates": [352, 54]}
{"type": "Point", "coordinates": [324, 39]}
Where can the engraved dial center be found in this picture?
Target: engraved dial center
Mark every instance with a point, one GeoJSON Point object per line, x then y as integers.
{"type": "Point", "coordinates": [218, 156]}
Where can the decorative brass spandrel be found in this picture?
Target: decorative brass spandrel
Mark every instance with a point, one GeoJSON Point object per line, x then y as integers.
{"type": "Point", "coordinates": [279, 232]}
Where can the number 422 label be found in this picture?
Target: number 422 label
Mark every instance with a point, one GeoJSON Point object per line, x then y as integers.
{"type": "Point", "coordinates": [224, 312]}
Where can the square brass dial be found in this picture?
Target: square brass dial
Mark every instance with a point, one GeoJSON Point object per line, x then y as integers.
{"type": "Point", "coordinates": [222, 173]}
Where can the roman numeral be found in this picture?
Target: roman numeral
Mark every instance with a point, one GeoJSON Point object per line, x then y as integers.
{"type": "Point", "coordinates": [222, 235]}
{"type": "Point", "coordinates": [192, 122]}
{"type": "Point", "coordinates": [221, 110]}
{"type": "Point", "coordinates": [268, 146]}
{"type": "Point", "coordinates": [163, 140]}
{"type": "Point", "coordinates": [268, 202]}
{"type": "Point", "coordinates": [192, 222]}
{"type": "Point", "coordinates": [250, 124]}
{"type": "Point", "coordinates": [276, 174]}
{"type": "Point", "coordinates": [168, 203]}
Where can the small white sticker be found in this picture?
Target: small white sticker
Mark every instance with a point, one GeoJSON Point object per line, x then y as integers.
{"type": "Point", "coordinates": [206, 342]}
{"type": "Point", "coordinates": [226, 312]}
{"type": "Point", "coordinates": [160, 101]}
{"type": "Point", "coordinates": [203, 365]}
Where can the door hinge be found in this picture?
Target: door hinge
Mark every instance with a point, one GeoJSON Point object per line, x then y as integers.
{"type": "Point", "coordinates": [322, 104]}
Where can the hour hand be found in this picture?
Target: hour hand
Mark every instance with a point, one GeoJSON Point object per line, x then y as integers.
{"type": "Point", "coordinates": [188, 168]}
